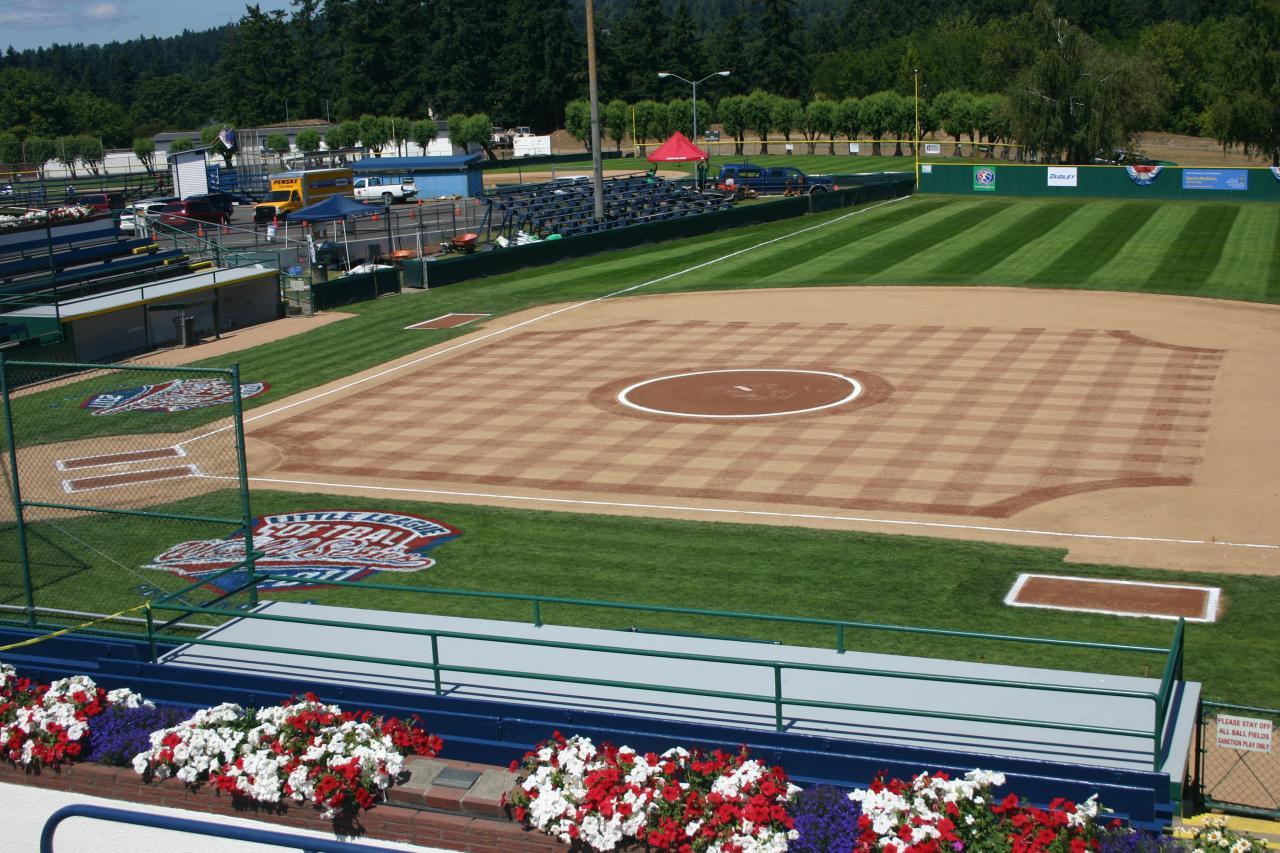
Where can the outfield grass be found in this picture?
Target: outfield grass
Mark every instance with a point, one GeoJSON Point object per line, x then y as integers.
{"type": "Point", "coordinates": [785, 570]}
{"type": "Point", "coordinates": [1197, 249]}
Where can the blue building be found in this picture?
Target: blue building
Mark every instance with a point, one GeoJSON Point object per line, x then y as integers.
{"type": "Point", "coordinates": [434, 176]}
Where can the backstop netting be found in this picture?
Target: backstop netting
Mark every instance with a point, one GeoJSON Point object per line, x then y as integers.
{"type": "Point", "coordinates": [123, 485]}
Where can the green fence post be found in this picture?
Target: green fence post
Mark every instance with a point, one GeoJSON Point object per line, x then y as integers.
{"type": "Point", "coordinates": [246, 512]}
{"type": "Point", "coordinates": [435, 660]}
{"type": "Point", "coordinates": [840, 639]}
{"type": "Point", "coordinates": [151, 635]}
{"type": "Point", "coordinates": [537, 613]}
{"type": "Point", "coordinates": [777, 697]}
{"type": "Point", "coordinates": [15, 490]}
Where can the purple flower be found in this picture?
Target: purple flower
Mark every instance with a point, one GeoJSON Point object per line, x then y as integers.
{"type": "Point", "coordinates": [826, 820]}
{"type": "Point", "coordinates": [119, 733]}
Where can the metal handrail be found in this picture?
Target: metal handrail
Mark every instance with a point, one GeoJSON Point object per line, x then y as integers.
{"type": "Point", "coordinates": [201, 827]}
{"type": "Point", "coordinates": [839, 624]}
{"type": "Point", "coordinates": [778, 700]}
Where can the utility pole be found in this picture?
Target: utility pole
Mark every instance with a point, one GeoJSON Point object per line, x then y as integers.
{"type": "Point", "coordinates": [597, 167]}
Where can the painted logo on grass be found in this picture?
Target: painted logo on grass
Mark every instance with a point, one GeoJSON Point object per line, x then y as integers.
{"type": "Point", "coordinates": [1143, 176]}
{"type": "Point", "coordinates": [176, 395]}
{"type": "Point", "coordinates": [313, 548]}
{"type": "Point", "coordinates": [984, 179]}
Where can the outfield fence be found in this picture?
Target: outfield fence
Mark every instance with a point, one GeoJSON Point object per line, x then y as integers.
{"type": "Point", "coordinates": [1123, 182]}
{"type": "Point", "coordinates": [93, 458]}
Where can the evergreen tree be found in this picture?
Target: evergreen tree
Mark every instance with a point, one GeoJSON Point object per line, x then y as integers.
{"type": "Point", "coordinates": [780, 65]}
{"type": "Point", "coordinates": [684, 45]}
{"type": "Point", "coordinates": [540, 64]}
{"type": "Point", "coordinates": [251, 83]}
{"type": "Point", "coordinates": [642, 41]}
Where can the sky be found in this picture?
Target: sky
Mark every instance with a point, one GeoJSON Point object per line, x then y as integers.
{"type": "Point", "coordinates": [40, 23]}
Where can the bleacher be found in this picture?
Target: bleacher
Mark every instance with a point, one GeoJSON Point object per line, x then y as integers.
{"type": "Point", "coordinates": [76, 258]}
{"type": "Point", "coordinates": [566, 207]}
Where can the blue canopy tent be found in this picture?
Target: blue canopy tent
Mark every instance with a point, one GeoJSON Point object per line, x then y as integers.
{"type": "Point", "coordinates": [335, 208]}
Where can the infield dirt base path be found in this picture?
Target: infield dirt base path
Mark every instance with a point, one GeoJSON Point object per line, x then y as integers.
{"type": "Point", "coordinates": [995, 414]}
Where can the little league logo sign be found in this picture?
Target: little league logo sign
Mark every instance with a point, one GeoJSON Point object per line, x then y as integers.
{"type": "Point", "coordinates": [177, 395]}
{"type": "Point", "coordinates": [984, 179]}
{"type": "Point", "coordinates": [313, 548]}
{"type": "Point", "coordinates": [1143, 176]}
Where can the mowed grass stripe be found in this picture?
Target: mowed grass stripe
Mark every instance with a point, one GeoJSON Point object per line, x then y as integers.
{"type": "Point", "coordinates": [811, 249]}
{"type": "Point", "coordinates": [1031, 257]}
{"type": "Point", "coordinates": [1095, 247]}
{"type": "Point", "coordinates": [1244, 270]}
{"type": "Point", "coordinates": [1273, 275]}
{"type": "Point", "coordinates": [1132, 266]}
{"type": "Point", "coordinates": [985, 254]}
{"type": "Point", "coordinates": [1193, 255]}
{"type": "Point", "coordinates": [917, 267]}
{"type": "Point", "coordinates": [871, 264]}
{"type": "Point", "coordinates": [789, 262]}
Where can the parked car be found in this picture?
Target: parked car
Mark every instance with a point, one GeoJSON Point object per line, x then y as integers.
{"type": "Point", "coordinates": [774, 180]}
{"type": "Point", "coordinates": [189, 214]}
{"type": "Point", "coordinates": [138, 214]}
{"type": "Point", "coordinates": [99, 201]}
{"type": "Point", "coordinates": [385, 190]}
{"type": "Point", "coordinates": [225, 202]}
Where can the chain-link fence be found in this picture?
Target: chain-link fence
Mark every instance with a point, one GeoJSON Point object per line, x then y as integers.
{"type": "Point", "coordinates": [1238, 765]}
{"type": "Point", "coordinates": [122, 485]}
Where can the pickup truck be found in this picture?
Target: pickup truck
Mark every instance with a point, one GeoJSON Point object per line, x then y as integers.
{"type": "Point", "coordinates": [772, 180]}
{"type": "Point", "coordinates": [385, 190]}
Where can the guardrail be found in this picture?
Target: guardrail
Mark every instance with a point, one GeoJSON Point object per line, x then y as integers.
{"type": "Point", "coordinates": [198, 827]}
{"type": "Point", "coordinates": [1161, 699]}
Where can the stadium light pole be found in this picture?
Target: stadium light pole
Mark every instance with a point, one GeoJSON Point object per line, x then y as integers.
{"type": "Point", "coordinates": [694, 84]}
{"type": "Point", "coordinates": [593, 92]}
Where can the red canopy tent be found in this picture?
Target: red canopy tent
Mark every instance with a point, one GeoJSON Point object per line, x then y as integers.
{"type": "Point", "coordinates": [677, 149]}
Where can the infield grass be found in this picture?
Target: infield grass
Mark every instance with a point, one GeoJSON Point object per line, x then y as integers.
{"type": "Point", "coordinates": [894, 580]}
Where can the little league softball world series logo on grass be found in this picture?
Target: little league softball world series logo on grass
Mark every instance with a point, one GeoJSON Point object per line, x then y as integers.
{"type": "Point", "coordinates": [984, 179]}
{"type": "Point", "coordinates": [176, 395]}
{"type": "Point", "coordinates": [313, 548]}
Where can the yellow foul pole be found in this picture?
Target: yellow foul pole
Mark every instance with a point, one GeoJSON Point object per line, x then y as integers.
{"type": "Point", "coordinates": [915, 72]}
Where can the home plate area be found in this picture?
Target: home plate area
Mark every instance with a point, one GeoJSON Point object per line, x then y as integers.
{"type": "Point", "coordinates": [972, 421]}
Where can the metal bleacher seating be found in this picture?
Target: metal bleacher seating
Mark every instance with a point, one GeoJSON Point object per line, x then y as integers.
{"type": "Point", "coordinates": [566, 207]}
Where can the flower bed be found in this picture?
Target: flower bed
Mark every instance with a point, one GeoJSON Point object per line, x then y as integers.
{"type": "Point", "coordinates": [70, 213]}
{"type": "Point", "coordinates": [680, 800]}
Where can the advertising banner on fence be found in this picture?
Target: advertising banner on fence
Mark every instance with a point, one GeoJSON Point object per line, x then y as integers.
{"type": "Point", "coordinates": [984, 179]}
{"type": "Point", "coordinates": [932, 148]}
{"type": "Point", "coordinates": [1215, 179]}
{"type": "Point", "coordinates": [1247, 734]}
{"type": "Point", "coordinates": [1062, 176]}
{"type": "Point", "coordinates": [531, 146]}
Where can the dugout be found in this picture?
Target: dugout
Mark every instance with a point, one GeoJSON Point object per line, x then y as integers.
{"type": "Point", "coordinates": [433, 176]}
{"type": "Point", "coordinates": [109, 325]}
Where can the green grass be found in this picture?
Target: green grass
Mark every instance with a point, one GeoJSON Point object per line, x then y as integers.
{"type": "Point", "coordinates": [783, 570]}
{"type": "Point", "coordinates": [1195, 249]}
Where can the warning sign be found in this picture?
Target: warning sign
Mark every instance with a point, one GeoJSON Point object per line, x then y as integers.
{"type": "Point", "coordinates": [1244, 733]}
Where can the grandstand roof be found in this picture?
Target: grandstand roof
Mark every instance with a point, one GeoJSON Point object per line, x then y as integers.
{"type": "Point", "coordinates": [164, 291]}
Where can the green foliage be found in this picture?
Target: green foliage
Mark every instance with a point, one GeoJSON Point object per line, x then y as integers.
{"type": "Point", "coordinates": [343, 135]}
{"type": "Point", "coordinates": [877, 114]}
{"type": "Point", "coordinates": [760, 114]}
{"type": "Point", "coordinates": [615, 121]}
{"type": "Point", "coordinates": [10, 147]}
{"type": "Point", "coordinates": [788, 114]}
{"type": "Point", "coordinates": [577, 121]}
{"type": "Point", "coordinates": [182, 143]}
{"type": "Point", "coordinates": [375, 132]}
{"type": "Point", "coordinates": [821, 117]}
{"type": "Point", "coordinates": [144, 148]}
{"type": "Point", "coordinates": [308, 141]}
{"type": "Point", "coordinates": [278, 144]}
{"type": "Point", "coordinates": [650, 118]}
{"type": "Point", "coordinates": [248, 80]}
{"type": "Point", "coordinates": [423, 132]}
{"type": "Point", "coordinates": [1246, 108]}
{"type": "Point", "coordinates": [734, 118]}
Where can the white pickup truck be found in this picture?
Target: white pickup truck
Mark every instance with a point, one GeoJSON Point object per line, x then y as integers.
{"type": "Point", "coordinates": [385, 190]}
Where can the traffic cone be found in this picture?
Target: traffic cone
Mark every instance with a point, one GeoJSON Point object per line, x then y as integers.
{"type": "Point", "coordinates": [375, 217]}
{"type": "Point", "coordinates": [200, 231]}
{"type": "Point", "coordinates": [154, 238]}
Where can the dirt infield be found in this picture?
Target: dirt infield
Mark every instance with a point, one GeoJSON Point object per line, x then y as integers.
{"type": "Point", "coordinates": [1127, 428]}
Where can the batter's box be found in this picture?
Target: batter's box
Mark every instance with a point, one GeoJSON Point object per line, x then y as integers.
{"type": "Point", "coordinates": [1115, 597]}
{"type": "Point", "coordinates": [448, 321]}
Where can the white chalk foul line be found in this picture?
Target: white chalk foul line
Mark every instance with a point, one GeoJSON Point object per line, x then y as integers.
{"type": "Point", "coordinates": [757, 513]}
{"type": "Point", "coordinates": [540, 317]}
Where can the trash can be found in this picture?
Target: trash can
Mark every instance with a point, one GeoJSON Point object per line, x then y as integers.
{"type": "Point", "coordinates": [187, 335]}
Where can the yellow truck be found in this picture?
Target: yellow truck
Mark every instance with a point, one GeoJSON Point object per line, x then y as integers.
{"type": "Point", "coordinates": [292, 191]}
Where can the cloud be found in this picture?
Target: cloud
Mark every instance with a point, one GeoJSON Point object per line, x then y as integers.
{"type": "Point", "coordinates": [51, 14]}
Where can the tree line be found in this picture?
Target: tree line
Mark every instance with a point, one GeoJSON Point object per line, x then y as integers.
{"type": "Point", "coordinates": [1078, 75]}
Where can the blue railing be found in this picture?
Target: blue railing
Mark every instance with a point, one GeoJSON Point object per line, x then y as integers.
{"type": "Point", "coordinates": [253, 835]}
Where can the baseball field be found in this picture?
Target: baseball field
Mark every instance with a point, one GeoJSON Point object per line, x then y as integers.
{"type": "Point", "coordinates": [885, 415]}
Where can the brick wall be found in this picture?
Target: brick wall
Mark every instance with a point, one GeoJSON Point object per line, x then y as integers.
{"type": "Point", "coordinates": [388, 821]}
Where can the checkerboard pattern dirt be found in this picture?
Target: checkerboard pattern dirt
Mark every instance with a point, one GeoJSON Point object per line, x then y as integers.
{"type": "Point", "coordinates": [977, 421]}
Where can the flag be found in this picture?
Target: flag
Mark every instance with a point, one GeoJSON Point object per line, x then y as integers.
{"type": "Point", "coordinates": [227, 137]}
